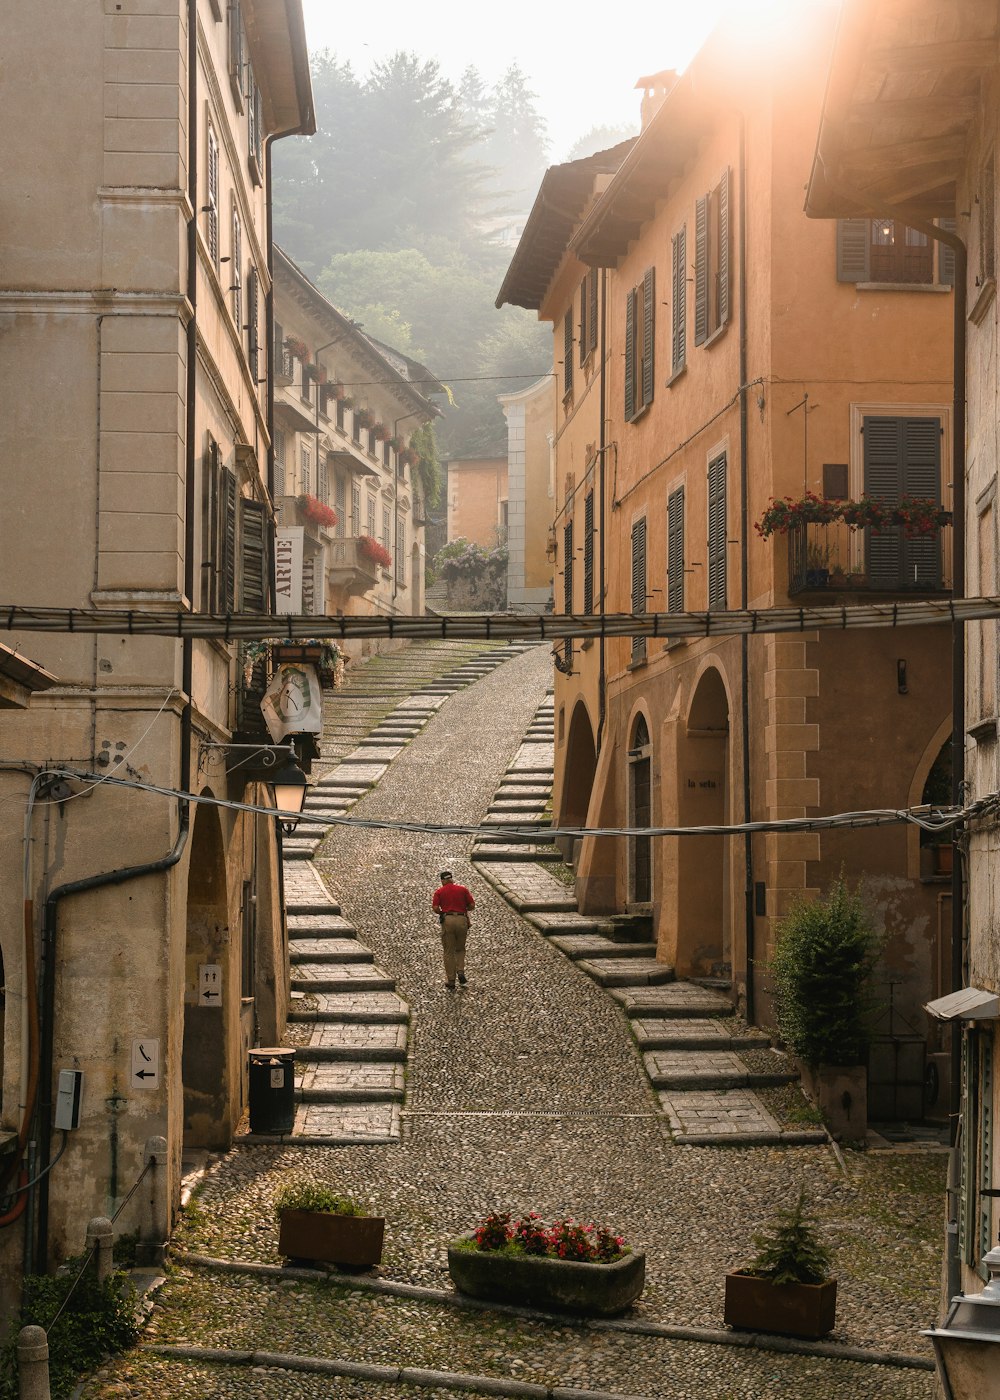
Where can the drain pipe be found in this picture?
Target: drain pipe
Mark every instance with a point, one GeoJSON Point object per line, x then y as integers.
{"type": "Point", "coordinates": [601, 452]}
{"type": "Point", "coordinates": [745, 585]}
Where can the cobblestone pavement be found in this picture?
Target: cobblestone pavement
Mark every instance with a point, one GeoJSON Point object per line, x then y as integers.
{"type": "Point", "coordinates": [527, 1091]}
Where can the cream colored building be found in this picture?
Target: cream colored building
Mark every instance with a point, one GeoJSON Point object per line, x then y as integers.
{"type": "Point", "coordinates": [531, 490]}
{"type": "Point", "coordinates": [345, 409]}
{"type": "Point", "coordinates": [135, 470]}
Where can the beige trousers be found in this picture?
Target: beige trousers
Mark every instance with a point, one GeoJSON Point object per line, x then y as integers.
{"type": "Point", "coordinates": [454, 932]}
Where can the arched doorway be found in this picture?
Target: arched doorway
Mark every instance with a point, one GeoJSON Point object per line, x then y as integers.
{"type": "Point", "coordinates": [703, 920]}
{"type": "Point", "coordinates": [640, 813]}
{"type": "Point", "coordinates": [204, 1070]}
{"type": "Point", "coordinates": [578, 781]}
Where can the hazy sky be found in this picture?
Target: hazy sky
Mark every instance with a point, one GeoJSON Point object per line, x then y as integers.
{"type": "Point", "coordinates": [583, 70]}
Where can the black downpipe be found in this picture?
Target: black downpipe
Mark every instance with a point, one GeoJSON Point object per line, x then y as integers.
{"type": "Point", "coordinates": [602, 704]}
{"type": "Point", "coordinates": [744, 585]}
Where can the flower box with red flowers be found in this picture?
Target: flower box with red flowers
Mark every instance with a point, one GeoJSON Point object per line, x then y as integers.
{"type": "Point", "coordinates": [316, 512]}
{"type": "Point", "coordinates": [373, 551]}
{"type": "Point", "coordinates": [297, 347]}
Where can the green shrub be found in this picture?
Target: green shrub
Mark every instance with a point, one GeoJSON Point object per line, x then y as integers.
{"type": "Point", "coordinates": [822, 964]}
{"type": "Point", "coordinates": [99, 1320]}
{"type": "Point", "coordinates": [310, 1195]}
{"type": "Point", "coordinates": [790, 1252]}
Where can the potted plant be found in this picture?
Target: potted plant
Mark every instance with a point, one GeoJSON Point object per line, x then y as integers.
{"type": "Point", "coordinates": [374, 551]}
{"type": "Point", "coordinates": [380, 432]}
{"type": "Point", "coordinates": [317, 512]}
{"type": "Point", "coordinates": [822, 963]}
{"type": "Point", "coordinates": [567, 1266]}
{"type": "Point", "coordinates": [787, 1288]}
{"type": "Point", "coordinates": [297, 347]}
{"type": "Point", "coordinates": [317, 1223]}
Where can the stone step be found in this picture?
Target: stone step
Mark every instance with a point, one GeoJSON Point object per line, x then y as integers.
{"type": "Point", "coordinates": [719, 1069]}
{"type": "Point", "coordinates": [500, 819]}
{"type": "Point", "coordinates": [329, 950]}
{"type": "Point", "coordinates": [340, 977]}
{"type": "Point", "coordinates": [669, 1034]}
{"type": "Point", "coordinates": [354, 1042]}
{"type": "Point", "coordinates": [627, 972]}
{"type": "Point", "coordinates": [368, 1122]}
{"type": "Point", "coordinates": [300, 853]}
{"type": "Point", "coordinates": [719, 1117]}
{"type": "Point", "coordinates": [679, 999]}
{"type": "Point", "coordinates": [595, 946]}
{"type": "Point", "coordinates": [302, 926]}
{"type": "Point", "coordinates": [524, 854]}
{"type": "Point", "coordinates": [356, 1007]}
{"type": "Point", "coordinates": [523, 792]}
{"type": "Point", "coordinates": [569, 924]}
{"type": "Point", "coordinates": [350, 1082]}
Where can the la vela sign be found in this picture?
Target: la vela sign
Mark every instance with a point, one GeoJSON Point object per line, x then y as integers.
{"type": "Point", "coordinates": [288, 546]}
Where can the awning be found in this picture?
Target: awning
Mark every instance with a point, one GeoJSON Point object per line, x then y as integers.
{"type": "Point", "coordinates": [968, 1004]}
{"type": "Point", "coordinates": [350, 463]}
{"type": "Point", "coordinates": [289, 413]}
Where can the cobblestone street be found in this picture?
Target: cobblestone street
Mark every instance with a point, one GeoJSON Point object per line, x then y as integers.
{"type": "Point", "coordinates": [524, 1091]}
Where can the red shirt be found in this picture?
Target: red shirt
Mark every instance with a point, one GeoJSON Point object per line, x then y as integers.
{"type": "Point", "coordinates": [452, 899]}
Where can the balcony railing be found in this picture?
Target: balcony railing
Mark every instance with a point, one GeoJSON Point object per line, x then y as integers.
{"type": "Point", "coordinates": [833, 558]}
{"type": "Point", "coordinates": [349, 567]}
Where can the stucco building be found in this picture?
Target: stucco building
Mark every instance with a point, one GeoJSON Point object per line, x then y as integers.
{"type": "Point", "coordinates": [477, 500]}
{"type": "Point", "coordinates": [530, 416]}
{"type": "Point", "coordinates": [714, 350]}
{"type": "Point", "coordinates": [136, 433]}
{"type": "Point", "coordinates": [910, 131]}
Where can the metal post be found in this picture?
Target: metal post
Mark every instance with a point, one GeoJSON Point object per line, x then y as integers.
{"type": "Point", "coordinates": [32, 1364]}
{"type": "Point", "coordinates": [101, 1239]}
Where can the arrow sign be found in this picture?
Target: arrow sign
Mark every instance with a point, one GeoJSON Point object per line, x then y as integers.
{"type": "Point", "coordinates": [209, 984]}
{"type": "Point", "coordinates": [145, 1065]}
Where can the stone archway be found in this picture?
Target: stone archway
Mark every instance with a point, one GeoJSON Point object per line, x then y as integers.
{"type": "Point", "coordinates": [578, 782]}
{"type": "Point", "coordinates": [703, 894]}
{"type": "Point", "coordinates": [204, 1064]}
{"type": "Point", "coordinates": [640, 814]}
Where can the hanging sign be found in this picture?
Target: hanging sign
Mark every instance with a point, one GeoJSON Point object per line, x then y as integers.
{"type": "Point", "coordinates": [288, 544]}
{"type": "Point", "coordinates": [293, 702]}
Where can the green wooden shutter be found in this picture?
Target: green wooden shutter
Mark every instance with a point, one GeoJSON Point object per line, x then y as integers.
{"type": "Point", "coordinates": [648, 334]}
{"type": "Point", "coordinates": [852, 250]}
{"type": "Point", "coordinates": [227, 554]}
{"type": "Point", "coordinates": [568, 567]}
{"type": "Point", "coordinates": [675, 551]}
{"type": "Point", "coordinates": [568, 352]}
{"type": "Point", "coordinates": [717, 532]}
{"type": "Point", "coordinates": [253, 556]}
{"type": "Point", "coordinates": [723, 268]}
{"type": "Point", "coordinates": [701, 271]}
{"type": "Point", "coordinates": [592, 322]}
{"type": "Point", "coordinates": [639, 584]}
{"type": "Point", "coordinates": [588, 553]}
{"type": "Point", "coordinates": [946, 256]}
{"type": "Point", "coordinates": [678, 308]}
{"type": "Point", "coordinates": [584, 337]}
{"type": "Point", "coordinates": [630, 356]}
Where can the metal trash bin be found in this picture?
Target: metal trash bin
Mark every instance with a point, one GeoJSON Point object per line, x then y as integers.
{"type": "Point", "coordinates": [272, 1090]}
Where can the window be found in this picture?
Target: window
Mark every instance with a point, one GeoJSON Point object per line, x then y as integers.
{"type": "Point", "coordinates": [371, 517]}
{"type": "Point", "coordinates": [678, 303]}
{"type": "Point", "coordinates": [355, 509]}
{"type": "Point", "coordinates": [588, 314]}
{"type": "Point", "coordinates": [975, 1217]}
{"type": "Point", "coordinates": [237, 52]}
{"type": "Point", "coordinates": [588, 552]}
{"type": "Point", "coordinates": [341, 414]}
{"type": "Point", "coordinates": [567, 354]}
{"type": "Point", "coordinates": [340, 500]}
{"type": "Point", "coordinates": [568, 562]}
{"type": "Point", "coordinates": [717, 532]}
{"type": "Point", "coordinates": [253, 323]}
{"type": "Point", "coordinates": [639, 585]}
{"type": "Point", "coordinates": [235, 265]}
{"type": "Point", "coordinates": [254, 556]}
{"type": "Point", "coordinates": [639, 338]}
{"type": "Point", "coordinates": [886, 250]}
{"type": "Point", "coordinates": [212, 200]}
{"type": "Point", "coordinates": [218, 532]}
{"type": "Point", "coordinates": [279, 462]}
{"type": "Point", "coordinates": [986, 537]}
{"type": "Point", "coordinates": [305, 470]}
{"type": "Point", "coordinates": [400, 550]}
{"type": "Point", "coordinates": [385, 527]}
{"type": "Point", "coordinates": [711, 261]}
{"type": "Point", "coordinates": [355, 427]}
{"type": "Point", "coordinates": [254, 127]}
{"type": "Point", "coordinates": [675, 550]}
{"type": "Point", "coordinates": [322, 490]}
{"type": "Point", "coordinates": [902, 457]}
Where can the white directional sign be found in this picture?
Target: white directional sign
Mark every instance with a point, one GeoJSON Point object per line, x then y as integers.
{"type": "Point", "coordinates": [209, 984]}
{"type": "Point", "coordinates": [144, 1070]}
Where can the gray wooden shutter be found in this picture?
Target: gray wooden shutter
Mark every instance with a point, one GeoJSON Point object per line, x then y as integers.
{"type": "Point", "coordinates": [253, 556]}
{"type": "Point", "coordinates": [639, 585]}
{"type": "Point", "coordinates": [717, 532]}
{"type": "Point", "coordinates": [211, 481]}
{"type": "Point", "coordinates": [588, 553]}
{"type": "Point", "coordinates": [852, 250]}
{"type": "Point", "coordinates": [584, 337]}
{"type": "Point", "coordinates": [212, 208]}
{"type": "Point", "coordinates": [592, 322]}
{"type": "Point", "coordinates": [675, 551]}
{"type": "Point", "coordinates": [724, 261]}
{"type": "Point", "coordinates": [568, 567]}
{"type": "Point", "coordinates": [568, 352]}
{"type": "Point", "coordinates": [902, 457]}
{"type": "Point", "coordinates": [630, 356]}
{"type": "Point", "coordinates": [701, 271]}
{"type": "Point", "coordinates": [678, 307]}
{"type": "Point", "coordinates": [985, 1105]}
{"type": "Point", "coordinates": [227, 554]}
{"type": "Point", "coordinates": [253, 322]}
{"type": "Point", "coordinates": [648, 334]}
{"type": "Point", "coordinates": [946, 256]}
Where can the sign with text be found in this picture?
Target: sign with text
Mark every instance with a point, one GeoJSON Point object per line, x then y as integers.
{"type": "Point", "coordinates": [288, 545]}
{"type": "Point", "coordinates": [144, 1067]}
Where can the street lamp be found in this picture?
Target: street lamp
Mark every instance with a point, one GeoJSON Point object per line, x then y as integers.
{"type": "Point", "coordinates": [288, 785]}
{"type": "Point", "coordinates": [967, 1345]}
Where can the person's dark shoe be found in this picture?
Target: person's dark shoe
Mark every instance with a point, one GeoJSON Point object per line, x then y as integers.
{"type": "Point", "coordinates": [462, 979]}
{"type": "Point", "coordinates": [450, 986]}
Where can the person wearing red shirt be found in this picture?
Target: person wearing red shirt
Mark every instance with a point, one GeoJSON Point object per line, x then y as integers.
{"type": "Point", "coordinates": [452, 903]}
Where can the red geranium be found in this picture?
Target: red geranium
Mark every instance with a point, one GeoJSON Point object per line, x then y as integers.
{"type": "Point", "coordinates": [317, 512]}
{"type": "Point", "coordinates": [371, 549]}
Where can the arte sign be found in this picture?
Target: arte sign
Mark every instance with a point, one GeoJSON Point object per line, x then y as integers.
{"type": "Point", "coordinates": [288, 545]}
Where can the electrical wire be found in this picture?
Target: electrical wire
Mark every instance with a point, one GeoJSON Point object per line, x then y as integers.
{"type": "Point", "coordinates": [4, 1207]}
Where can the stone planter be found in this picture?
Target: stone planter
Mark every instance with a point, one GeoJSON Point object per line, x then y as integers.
{"type": "Point", "coordinates": [352, 1241]}
{"type": "Point", "coordinates": [553, 1285]}
{"type": "Point", "coordinates": [840, 1092]}
{"type": "Point", "coordinates": [793, 1309]}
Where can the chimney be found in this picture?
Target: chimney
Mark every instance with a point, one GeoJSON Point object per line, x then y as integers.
{"type": "Point", "coordinates": [655, 87]}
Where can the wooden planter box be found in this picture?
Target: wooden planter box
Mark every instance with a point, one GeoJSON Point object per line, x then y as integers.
{"type": "Point", "coordinates": [352, 1241]}
{"type": "Point", "coordinates": [553, 1285]}
{"type": "Point", "coordinates": [794, 1309]}
{"type": "Point", "coordinates": [289, 651]}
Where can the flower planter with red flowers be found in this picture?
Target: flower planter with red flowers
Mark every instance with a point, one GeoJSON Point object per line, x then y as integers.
{"type": "Point", "coordinates": [373, 551]}
{"type": "Point", "coordinates": [363, 418]}
{"type": "Point", "coordinates": [297, 347]}
{"type": "Point", "coordinates": [915, 516]}
{"type": "Point", "coordinates": [380, 432]}
{"type": "Point", "coordinates": [316, 512]}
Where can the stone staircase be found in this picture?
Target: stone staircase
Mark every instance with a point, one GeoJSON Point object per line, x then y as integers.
{"type": "Point", "coordinates": [689, 1049]}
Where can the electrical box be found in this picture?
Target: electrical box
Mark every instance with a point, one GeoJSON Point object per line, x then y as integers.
{"type": "Point", "coordinates": [68, 1097]}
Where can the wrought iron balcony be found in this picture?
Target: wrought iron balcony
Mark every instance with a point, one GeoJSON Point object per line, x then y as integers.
{"type": "Point", "coordinates": [833, 558]}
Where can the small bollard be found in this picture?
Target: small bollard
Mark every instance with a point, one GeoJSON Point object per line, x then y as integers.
{"type": "Point", "coordinates": [32, 1364]}
{"type": "Point", "coordinates": [154, 1220]}
{"type": "Point", "coordinates": [101, 1239]}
